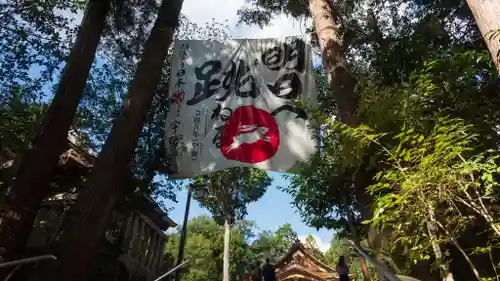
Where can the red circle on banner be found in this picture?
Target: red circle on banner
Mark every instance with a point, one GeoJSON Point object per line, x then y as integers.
{"type": "Point", "coordinates": [250, 136]}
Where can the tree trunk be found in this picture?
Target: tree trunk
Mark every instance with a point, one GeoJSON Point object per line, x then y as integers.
{"type": "Point", "coordinates": [30, 183]}
{"type": "Point", "coordinates": [467, 259]}
{"type": "Point", "coordinates": [355, 238]}
{"type": "Point", "coordinates": [446, 274]}
{"type": "Point", "coordinates": [486, 13]}
{"type": "Point", "coordinates": [227, 244]}
{"type": "Point", "coordinates": [341, 81]}
{"type": "Point", "coordinates": [90, 215]}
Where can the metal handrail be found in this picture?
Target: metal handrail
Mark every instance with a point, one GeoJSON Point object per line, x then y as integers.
{"type": "Point", "coordinates": [19, 263]}
{"type": "Point", "coordinates": [171, 270]}
{"type": "Point", "coordinates": [380, 267]}
{"type": "Point", "coordinates": [12, 272]}
{"type": "Point", "coordinates": [27, 260]}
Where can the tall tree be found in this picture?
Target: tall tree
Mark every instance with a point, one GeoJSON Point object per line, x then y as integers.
{"type": "Point", "coordinates": [340, 247]}
{"type": "Point", "coordinates": [204, 250]}
{"type": "Point", "coordinates": [36, 36]}
{"type": "Point", "coordinates": [372, 43]}
{"type": "Point", "coordinates": [337, 248]}
{"type": "Point", "coordinates": [107, 87]}
{"type": "Point", "coordinates": [327, 28]}
{"type": "Point", "coordinates": [274, 245]}
{"type": "Point", "coordinates": [425, 30]}
{"type": "Point", "coordinates": [30, 183]}
{"type": "Point", "coordinates": [311, 246]}
{"type": "Point", "coordinates": [486, 14]}
{"type": "Point", "coordinates": [229, 193]}
{"type": "Point", "coordinates": [107, 183]}
{"type": "Point", "coordinates": [17, 123]}
{"type": "Point", "coordinates": [341, 81]}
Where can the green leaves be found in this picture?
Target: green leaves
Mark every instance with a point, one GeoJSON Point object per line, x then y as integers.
{"type": "Point", "coordinates": [231, 190]}
{"type": "Point", "coordinates": [204, 250]}
{"type": "Point", "coordinates": [434, 173]}
{"type": "Point", "coordinates": [428, 104]}
{"type": "Point", "coordinates": [205, 244]}
{"type": "Point", "coordinates": [274, 245]}
{"type": "Point", "coordinates": [262, 12]}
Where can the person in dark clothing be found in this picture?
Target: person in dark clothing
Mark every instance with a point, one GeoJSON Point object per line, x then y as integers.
{"type": "Point", "coordinates": [256, 272]}
{"type": "Point", "coordinates": [268, 271]}
{"type": "Point", "coordinates": [342, 269]}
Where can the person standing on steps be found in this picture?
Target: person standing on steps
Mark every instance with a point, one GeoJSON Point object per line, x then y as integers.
{"type": "Point", "coordinates": [269, 271]}
{"type": "Point", "coordinates": [342, 269]}
{"type": "Point", "coordinates": [256, 272]}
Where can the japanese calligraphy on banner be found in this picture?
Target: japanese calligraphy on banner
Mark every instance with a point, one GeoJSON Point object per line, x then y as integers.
{"type": "Point", "coordinates": [232, 104]}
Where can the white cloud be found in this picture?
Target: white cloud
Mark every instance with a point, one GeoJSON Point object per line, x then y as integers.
{"type": "Point", "coordinates": [204, 11]}
{"type": "Point", "coordinates": [322, 245]}
{"type": "Point", "coordinates": [201, 12]}
{"type": "Point", "coordinates": [281, 26]}
{"type": "Point", "coordinates": [221, 11]}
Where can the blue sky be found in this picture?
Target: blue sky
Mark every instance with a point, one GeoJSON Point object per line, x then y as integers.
{"type": "Point", "coordinates": [270, 212]}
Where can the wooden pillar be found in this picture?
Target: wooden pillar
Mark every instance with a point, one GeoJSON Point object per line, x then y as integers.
{"type": "Point", "coordinates": [152, 250]}
{"type": "Point", "coordinates": [128, 232]}
{"type": "Point", "coordinates": [134, 236]}
{"type": "Point", "coordinates": [145, 245]}
{"type": "Point", "coordinates": [161, 250]}
{"type": "Point", "coordinates": [142, 240]}
{"type": "Point", "coordinates": [138, 237]}
{"type": "Point", "coordinates": [152, 234]}
{"type": "Point", "coordinates": [141, 249]}
{"type": "Point", "coordinates": [157, 254]}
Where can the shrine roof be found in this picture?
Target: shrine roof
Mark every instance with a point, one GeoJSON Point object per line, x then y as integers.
{"type": "Point", "coordinates": [298, 252]}
{"type": "Point", "coordinates": [78, 156]}
{"type": "Point", "coordinates": [300, 264]}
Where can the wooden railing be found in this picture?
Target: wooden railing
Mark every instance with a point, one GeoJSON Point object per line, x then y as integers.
{"type": "Point", "coordinates": [17, 264]}
{"type": "Point", "coordinates": [144, 243]}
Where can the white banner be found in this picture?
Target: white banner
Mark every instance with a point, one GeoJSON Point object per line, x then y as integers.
{"type": "Point", "coordinates": [232, 105]}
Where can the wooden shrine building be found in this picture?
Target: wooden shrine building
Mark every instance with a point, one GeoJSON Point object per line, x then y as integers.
{"type": "Point", "coordinates": [134, 242]}
{"type": "Point", "coordinates": [299, 265]}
